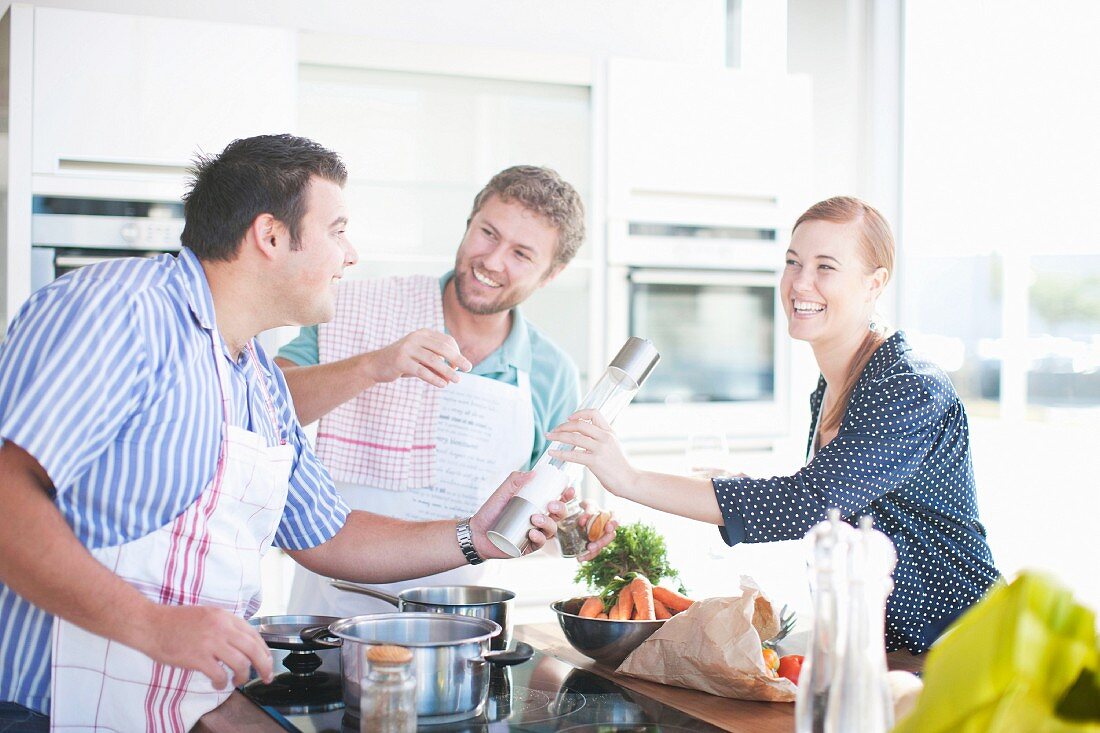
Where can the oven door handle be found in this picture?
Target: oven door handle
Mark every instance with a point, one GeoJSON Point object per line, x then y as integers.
{"type": "Point", "coordinates": [663, 276]}
{"type": "Point", "coordinates": [71, 262]}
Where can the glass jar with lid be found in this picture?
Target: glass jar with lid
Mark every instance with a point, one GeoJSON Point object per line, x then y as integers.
{"type": "Point", "coordinates": [388, 692]}
{"type": "Point", "coordinates": [572, 537]}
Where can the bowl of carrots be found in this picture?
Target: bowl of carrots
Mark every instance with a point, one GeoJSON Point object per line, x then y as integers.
{"type": "Point", "coordinates": [608, 627]}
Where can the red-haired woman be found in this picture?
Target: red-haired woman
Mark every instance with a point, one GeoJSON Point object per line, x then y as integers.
{"type": "Point", "coordinates": [889, 436]}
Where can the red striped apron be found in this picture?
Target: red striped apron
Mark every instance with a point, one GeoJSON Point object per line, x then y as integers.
{"type": "Point", "coordinates": [208, 555]}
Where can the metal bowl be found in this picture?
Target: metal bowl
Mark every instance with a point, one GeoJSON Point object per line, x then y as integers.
{"type": "Point", "coordinates": [608, 642]}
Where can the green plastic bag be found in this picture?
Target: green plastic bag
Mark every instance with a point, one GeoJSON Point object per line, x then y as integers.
{"type": "Point", "coordinates": [1024, 658]}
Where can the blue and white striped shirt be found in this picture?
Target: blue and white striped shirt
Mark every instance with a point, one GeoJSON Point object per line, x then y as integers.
{"type": "Point", "coordinates": [107, 379]}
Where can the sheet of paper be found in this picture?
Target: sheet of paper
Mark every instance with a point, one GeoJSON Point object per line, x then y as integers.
{"type": "Point", "coordinates": [473, 438]}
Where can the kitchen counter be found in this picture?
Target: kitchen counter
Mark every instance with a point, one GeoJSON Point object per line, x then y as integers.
{"type": "Point", "coordinates": [737, 716]}
{"type": "Point", "coordinates": [238, 714]}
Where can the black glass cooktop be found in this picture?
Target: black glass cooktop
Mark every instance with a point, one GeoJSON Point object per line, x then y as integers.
{"type": "Point", "coordinates": [544, 694]}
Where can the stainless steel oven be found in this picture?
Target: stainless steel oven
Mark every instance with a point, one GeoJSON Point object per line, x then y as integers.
{"type": "Point", "coordinates": [724, 355]}
{"type": "Point", "coordinates": [69, 233]}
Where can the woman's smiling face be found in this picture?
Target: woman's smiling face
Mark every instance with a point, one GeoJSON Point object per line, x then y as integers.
{"type": "Point", "coordinates": [828, 291]}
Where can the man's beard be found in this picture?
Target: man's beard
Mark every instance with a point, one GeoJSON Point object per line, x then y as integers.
{"type": "Point", "coordinates": [482, 309]}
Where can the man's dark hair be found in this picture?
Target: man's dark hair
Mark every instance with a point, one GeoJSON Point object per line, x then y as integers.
{"type": "Point", "coordinates": [266, 174]}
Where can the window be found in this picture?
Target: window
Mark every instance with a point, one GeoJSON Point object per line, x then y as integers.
{"type": "Point", "coordinates": [1000, 257]}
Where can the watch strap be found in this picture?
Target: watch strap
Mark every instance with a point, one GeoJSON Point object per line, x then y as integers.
{"type": "Point", "coordinates": [466, 543]}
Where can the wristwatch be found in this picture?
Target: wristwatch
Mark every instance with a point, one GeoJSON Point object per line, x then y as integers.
{"type": "Point", "coordinates": [466, 543]}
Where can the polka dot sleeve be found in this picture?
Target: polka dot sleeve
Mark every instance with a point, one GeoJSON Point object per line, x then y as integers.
{"type": "Point", "coordinates": [880, 450]}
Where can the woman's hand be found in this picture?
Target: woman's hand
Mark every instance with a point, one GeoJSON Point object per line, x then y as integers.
{"type": "Point", "coordinates": [598, 449]}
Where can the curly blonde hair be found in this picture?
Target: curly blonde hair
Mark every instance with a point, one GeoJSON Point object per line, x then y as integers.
{"type": "Point", "coordinates": [544, 192]}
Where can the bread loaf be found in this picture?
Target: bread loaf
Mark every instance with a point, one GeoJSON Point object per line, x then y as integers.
{"type": "Point", "coordinates": [764, 618]}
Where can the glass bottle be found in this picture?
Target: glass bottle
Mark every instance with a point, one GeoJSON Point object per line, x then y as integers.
{"type": "Point", "coordinates": [621, 380]}
{"type": "Point", "coordinates": [572, 537]}
{"type": "Point", "coordinates": [859, 701]}
{"type": "Point", "coordinates": [828, 542]}
{"type": "Point", "coordinates": [387, 702]}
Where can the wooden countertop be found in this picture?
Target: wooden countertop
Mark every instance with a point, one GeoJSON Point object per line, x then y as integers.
{"type": "Point", "coordinates": [737, 716]}
{"type": "Point", "coordinates": [239, 715]}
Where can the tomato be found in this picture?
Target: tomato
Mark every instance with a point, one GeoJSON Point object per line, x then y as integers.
{"type": "Point", "coordinates": [771, 660]}
{"type": "Point", "coordinates": [790, 667]}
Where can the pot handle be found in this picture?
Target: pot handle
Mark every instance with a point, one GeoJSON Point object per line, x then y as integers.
{"type": "Point", "coordinates": [320, 636]}
{"type": "Point", "coordinates": [509, 657]}
{"type": "Point", "coordinates": [350, 587]}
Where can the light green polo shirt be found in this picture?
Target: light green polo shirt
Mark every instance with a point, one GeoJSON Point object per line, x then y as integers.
{"type": "Point", "coordinates": [555, 385]}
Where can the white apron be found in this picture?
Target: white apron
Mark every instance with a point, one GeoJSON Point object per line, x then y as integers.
{"type": "Point", "coordinates": [209, 555]}
{"type": "Point", "coordinates": [485, 430]}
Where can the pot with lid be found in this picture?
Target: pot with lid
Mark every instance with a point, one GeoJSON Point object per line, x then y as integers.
{"type": "Point", "coordinates": [494, 604]}
{"type": "Point", "coordinates": [451, 658]}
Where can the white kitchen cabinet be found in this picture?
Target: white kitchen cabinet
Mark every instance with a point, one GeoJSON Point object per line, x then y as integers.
{"type": "Point", "coordinates": [705, 145]}
{"type": "Point", "coordinates": [127, 95]}
{"type": "Point", "coordinates": [419, 147]}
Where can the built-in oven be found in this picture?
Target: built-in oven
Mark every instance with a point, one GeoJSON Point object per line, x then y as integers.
{"type": "Point", "coordinates": [69, 233]}
{"type": "Point", "coordinates": [707, 297]}
{"type": "Point", "coordinates": [724, 355]}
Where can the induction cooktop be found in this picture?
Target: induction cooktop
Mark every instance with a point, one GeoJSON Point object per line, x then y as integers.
{"type": "Point", "coordinates": [543, 694]}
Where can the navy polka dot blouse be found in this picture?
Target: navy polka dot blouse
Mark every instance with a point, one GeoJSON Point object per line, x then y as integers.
{"type": "Point", "coordinates": [902, 455]}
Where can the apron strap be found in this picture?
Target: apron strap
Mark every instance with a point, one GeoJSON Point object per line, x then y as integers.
{"type": "Point", "coordinates": [275, 422]}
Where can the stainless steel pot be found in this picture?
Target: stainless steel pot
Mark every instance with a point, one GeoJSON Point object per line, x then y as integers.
{"type": "Point", "coordinates": [494, 604]}
{"type": "Point", "coordinates": [451, 658]}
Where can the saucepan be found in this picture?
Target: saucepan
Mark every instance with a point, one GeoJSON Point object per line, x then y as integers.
{"type": "Point", "coordinates": [494, 604]}
{"type": "Point", "coordinates": [450, 651]}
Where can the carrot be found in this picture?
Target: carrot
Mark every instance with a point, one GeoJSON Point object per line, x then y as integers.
{"type": "Point", "coordinates": [625, 605]}
{"type": "Point", "coordinates": [641, 592]}
{"type": "Point", "coordinates": [674, 601]}
{"type": "Point", "coordinates": [601, 614]}
{"type": "Point", "coordinates": [591, 607]}
{"type": "Point", "coordinates": [660, 610]}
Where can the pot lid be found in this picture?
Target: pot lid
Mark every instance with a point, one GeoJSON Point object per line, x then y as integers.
{"type": "Point", "coordinates": [416, 629]}
{"type": "Point", "coordinates": [283, 632]}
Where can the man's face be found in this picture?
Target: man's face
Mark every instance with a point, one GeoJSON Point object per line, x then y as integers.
{"type": "Point", "coordinates": [314, 269]}
{"type": "Point", "coordinates": [507, 254]}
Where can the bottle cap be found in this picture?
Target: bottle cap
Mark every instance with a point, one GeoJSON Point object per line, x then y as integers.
{"type": "Point", "coordinates": [636, 359]}
{"type": "Point", "coordinates": [389, 654]}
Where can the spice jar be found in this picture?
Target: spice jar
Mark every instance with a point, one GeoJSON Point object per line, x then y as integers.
{"type": "Point", "coordinates": [388, 699]}
{"type": "Point", "coordinates": [572, 537]}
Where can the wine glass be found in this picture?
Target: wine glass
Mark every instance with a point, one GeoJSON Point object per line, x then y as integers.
{"type": "Point", "coordinates": [707, 454]}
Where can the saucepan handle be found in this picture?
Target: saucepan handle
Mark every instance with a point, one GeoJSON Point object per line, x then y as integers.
{"type": "Point", "coordinates": [350, 587]}
{"type": "Point", "coordinates": [509, 657]}
{"type": "Point", "coordinates": [320, 636]}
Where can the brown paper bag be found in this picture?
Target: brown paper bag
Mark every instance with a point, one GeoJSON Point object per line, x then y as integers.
{"type": "Point", "coordinates": [713, 647]}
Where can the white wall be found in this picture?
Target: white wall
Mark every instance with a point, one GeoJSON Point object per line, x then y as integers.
{"type": "Point", "coordinates": [685, 30]}
{"type": "Point", "coordinates": [851, 51]}
{"type": "Point", "coordinates": [827, 40]}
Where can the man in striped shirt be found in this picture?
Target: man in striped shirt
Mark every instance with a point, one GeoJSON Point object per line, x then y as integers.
{"type": "Point", "coordinates": [125, 389]}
